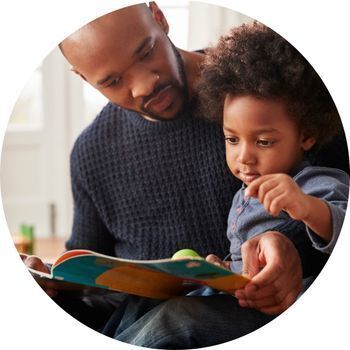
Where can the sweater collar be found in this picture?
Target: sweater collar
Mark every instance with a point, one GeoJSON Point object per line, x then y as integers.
{"type": "Point", "coordinates": [157, 126]}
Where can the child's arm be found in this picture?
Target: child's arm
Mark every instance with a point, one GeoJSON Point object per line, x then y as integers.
{"type": "Point", "coordinates": [318, 217]}
{"type": "Point", "coordinates": [279, 192]}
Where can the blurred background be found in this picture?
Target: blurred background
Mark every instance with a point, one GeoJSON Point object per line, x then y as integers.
{"type": "Point", "coordinates": [53, 108]}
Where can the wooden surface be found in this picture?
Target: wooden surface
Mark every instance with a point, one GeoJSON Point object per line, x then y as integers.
{"type": "Point", "coordinates": [48, 249]}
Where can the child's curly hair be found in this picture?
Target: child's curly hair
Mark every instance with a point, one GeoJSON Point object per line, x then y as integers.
{"type": "Point", "coordinates": [254, 60]}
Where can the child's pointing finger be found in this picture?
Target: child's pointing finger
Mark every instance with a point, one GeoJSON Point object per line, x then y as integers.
{"type": "Point", "coordinates": [253, 188]}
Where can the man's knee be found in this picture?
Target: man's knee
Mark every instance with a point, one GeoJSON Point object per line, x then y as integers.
{"type": "Point", "coordinates": [175, 313]}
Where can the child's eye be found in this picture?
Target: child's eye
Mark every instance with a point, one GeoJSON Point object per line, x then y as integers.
{"type": "Point", "coordinates": [265, 143]}
{"type": "Point", "coordinates": [232, 140]}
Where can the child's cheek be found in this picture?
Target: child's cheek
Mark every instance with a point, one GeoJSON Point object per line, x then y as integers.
{"type": "Point", "coordinates": [230, 159]}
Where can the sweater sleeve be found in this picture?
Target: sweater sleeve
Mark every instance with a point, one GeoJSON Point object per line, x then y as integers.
{"type": "Point", "coordinates": [332, 186]}
{"type": "Point", "coordinates": [88, 231]}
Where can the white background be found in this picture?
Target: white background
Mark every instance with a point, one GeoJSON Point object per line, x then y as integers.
{"type": "Point", "coordinates": [28, 32]}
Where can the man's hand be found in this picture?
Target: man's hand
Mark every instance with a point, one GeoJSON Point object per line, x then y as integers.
{"type": "Point", "coordinates": [36, 263]}
{"type": "Point", "coordinates": [278, 192]}
{"type": "Point", "coordinates": [273, 264]}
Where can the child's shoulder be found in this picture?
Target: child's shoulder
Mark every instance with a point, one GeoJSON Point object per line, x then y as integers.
{"type": "Point", "coordinates": [319, 177]}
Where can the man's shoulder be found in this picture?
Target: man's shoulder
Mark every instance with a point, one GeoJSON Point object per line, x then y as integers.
{"type": "Point", "coordinates": [108, 117]}
{"type": "Point", "coordinates": [102, 132]}
{"type": "Point", "coordinates": [102, 126]}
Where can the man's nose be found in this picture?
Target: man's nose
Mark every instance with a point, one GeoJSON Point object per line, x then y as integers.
{"type": "Point", "coordinates": [143, 83]}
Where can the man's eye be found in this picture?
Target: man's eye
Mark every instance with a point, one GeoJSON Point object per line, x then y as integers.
{"type": "Point", "coordinates": [265, 143]}
{"type": "Point", "coordinates": [231, 140]}
{"type": "Point", "coordinates": [114, 82]}
{"type": "Point", "coordinates": [147, 53]}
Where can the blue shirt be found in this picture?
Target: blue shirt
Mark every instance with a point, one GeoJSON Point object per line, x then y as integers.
{"type": "Point", "coordinates": [249, 218]}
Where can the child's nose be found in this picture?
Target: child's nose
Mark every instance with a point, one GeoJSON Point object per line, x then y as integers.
{"type": "Point", "coordinates": [246, 154]}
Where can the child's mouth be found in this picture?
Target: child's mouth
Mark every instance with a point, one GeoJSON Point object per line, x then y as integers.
{"type": "Point", "coordinates": [248, 177]}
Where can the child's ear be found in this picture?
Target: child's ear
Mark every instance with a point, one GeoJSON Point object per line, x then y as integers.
{"type": "Point", "coordinates": [307, 142]}
{"type": "Point", "coordinates": [159, 16]}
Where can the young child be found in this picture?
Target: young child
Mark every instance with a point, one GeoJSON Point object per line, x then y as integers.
{"type": "Point", "coordinates": [275, 110]}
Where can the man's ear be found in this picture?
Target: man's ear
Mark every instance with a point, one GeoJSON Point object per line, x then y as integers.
{"type": "Point", "coordinates": [307, 142]}
{"type": "Point", "coordinates": [159, 17]}
{"type": "Point", "coordinates": [76, 72]}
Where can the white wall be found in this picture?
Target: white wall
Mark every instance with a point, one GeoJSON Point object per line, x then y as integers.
{"type": "Point", "coordinates": [35, 163]}
{"type": "Point", "coordinates": [207, 22]}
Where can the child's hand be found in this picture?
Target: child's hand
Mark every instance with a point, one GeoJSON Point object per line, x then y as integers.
{"type": "Point", "coordinates": [217, 261]}
{"type": "Point", "coordinates": [278, 192]}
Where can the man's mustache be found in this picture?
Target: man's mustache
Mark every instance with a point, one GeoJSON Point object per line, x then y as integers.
{"type": "Point", "coordinates": [159, 87]}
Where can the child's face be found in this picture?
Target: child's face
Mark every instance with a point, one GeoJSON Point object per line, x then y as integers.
{"type": "Point", "coordinates": [261, 138]}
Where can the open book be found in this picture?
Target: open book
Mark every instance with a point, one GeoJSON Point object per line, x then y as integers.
{"type": "Point", "coordinates": [160, 279]}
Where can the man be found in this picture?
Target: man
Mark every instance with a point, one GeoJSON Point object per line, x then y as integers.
{"type": "Point", "coordinates": [149, 179]}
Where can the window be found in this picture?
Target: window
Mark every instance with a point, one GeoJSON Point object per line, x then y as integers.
{"type": "Point", "coordinates": [28, 110]}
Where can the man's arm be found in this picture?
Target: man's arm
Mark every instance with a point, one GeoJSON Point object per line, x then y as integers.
{"type": "Point", "coordinates": [334, 155]}
{"type": "Point", "coordinates": [312, 260]}
{"type": "Point", "coordinates": [35, 263]}
{"type": "Point", "coordinates": [276, 262]}
{"type": "Point", "coordinates": [88, 231]}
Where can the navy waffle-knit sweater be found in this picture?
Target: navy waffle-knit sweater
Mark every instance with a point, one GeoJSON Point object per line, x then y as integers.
{"type": "Point", "coordinates": [143, 189]}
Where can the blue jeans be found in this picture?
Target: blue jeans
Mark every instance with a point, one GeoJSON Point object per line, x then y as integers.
{"type": "Point", "coordinates": [183, 322]}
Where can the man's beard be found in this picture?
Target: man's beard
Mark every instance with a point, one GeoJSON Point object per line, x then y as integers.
{"type": "Point", "coordinates": [181, 87]}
